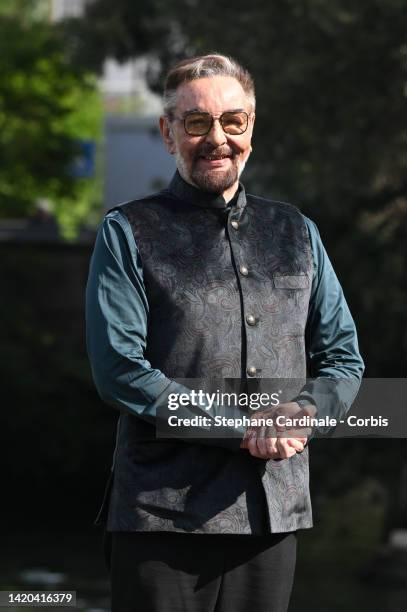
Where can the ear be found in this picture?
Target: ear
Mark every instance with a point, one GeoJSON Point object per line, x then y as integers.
{"type": "Point", "coordinates": [166, 133]}
{"type": "Point", "coordinates": [251, 125]}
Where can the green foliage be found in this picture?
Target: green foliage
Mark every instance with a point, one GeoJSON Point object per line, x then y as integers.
{"type": "Point", "coordinates": [45, 106]}
{"type": "Point", "coordinates": [26, 10]}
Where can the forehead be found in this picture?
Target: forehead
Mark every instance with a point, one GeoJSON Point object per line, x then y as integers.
{"type": "Point", "coordinates": [212, 94]}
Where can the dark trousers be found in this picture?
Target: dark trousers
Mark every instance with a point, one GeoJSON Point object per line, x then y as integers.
{"type": "Point", "coordinates": [177, 572]}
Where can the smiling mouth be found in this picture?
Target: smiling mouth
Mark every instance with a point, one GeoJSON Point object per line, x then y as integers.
{"type": "Point", "coordinates": [214, 158]}
{"type": "Point", "coordinates": [215, 154]}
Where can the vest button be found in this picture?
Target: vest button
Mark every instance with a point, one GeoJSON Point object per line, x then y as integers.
{"type": "Point", "coordinates": [251, 371]}
{"type": "Point", "coordinates": [251, 320]}
{"type": "Point", "coordinates": [244, 271]}
{"type": "Point", "coordinates": [235, 224]}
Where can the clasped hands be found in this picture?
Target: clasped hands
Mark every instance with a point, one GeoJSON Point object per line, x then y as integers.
{"type": "Point", "coordinates": [278, 442]}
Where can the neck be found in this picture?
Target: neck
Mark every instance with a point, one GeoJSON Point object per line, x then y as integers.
{"type": "Point", "coordinates": [228, 194]}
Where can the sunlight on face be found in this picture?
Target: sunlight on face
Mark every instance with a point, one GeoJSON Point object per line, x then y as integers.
{"type": "Point", "coordinates": [215, 161]}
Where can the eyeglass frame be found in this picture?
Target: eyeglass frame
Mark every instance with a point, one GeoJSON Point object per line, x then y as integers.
{"type": "Point", "coordinates": [213, 119]}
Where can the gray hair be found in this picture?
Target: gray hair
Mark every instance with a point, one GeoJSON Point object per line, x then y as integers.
{"type": "Point", "coordinates": [205, 66]}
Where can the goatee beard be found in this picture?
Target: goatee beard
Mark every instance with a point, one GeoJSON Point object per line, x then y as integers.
{"type": "Point", "coordinates": [214, 182]}
{"type": "Point", "coordinates": [207, 180]}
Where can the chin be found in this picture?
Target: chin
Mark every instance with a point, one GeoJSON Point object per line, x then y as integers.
{"type": "Point", "coordinates": [215, 181]}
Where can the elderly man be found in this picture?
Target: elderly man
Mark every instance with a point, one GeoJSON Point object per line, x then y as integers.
{"type": "Point", "coordinates": [202, 280]}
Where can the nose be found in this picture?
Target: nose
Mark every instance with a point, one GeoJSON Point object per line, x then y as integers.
{"type": "Point", "coordinates": [216, 135]}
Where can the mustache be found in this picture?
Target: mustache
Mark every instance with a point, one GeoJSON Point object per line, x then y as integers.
{"type": "Point", "coordinates": [205, 149]}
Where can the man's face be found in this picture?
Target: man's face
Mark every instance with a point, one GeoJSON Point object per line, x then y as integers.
{"type": "Point", "coordinates": [212, 162]}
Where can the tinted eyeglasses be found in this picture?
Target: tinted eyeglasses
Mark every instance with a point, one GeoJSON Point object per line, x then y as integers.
{"type": "Point", "coordinates": [199, 123]}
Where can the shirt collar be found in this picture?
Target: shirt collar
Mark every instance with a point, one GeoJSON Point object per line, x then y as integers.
{"type": "Point", "coordinates": [184, 191]}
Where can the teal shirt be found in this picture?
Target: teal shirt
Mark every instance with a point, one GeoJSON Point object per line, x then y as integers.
{"type": "Point", "coordinates": [117, 312]}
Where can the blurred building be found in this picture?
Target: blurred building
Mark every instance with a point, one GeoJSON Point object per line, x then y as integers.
{"type": "Point", "coordinates": [135, 161]}
{"type": "Point", "coordinates": [67, 8]}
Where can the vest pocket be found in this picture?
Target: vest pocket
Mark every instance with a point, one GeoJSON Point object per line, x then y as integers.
{"type": "Point", "coordinates": [299, 281]}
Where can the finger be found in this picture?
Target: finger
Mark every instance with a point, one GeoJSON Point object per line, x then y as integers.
{"type": "Point", "coordinates": [263, 447]}
{"type": "Point", "coordinates": [256, 441]}
{"type": "Point", "coordinates": [249, 434]}
{"type": "Point", "coordinates": [302, 440]}
{"type": "Point", "coordinates": [266, 443]}
{"type": "Point", "coordinates": [262, 442]}
{"type": "Point", "coordinates": [294, 443]}
{"type": "Point", "coordinates": [284, 450]}
{"type": "Point", "coordinates": [270, 442]}
{"type": "Point", "coordinates": [272, 451]}
{"type": "Point", "coordinates": [253, 449]}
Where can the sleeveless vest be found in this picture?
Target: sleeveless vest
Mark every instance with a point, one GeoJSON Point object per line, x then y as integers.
{"type": "Point", "coordinates": [228, 289]}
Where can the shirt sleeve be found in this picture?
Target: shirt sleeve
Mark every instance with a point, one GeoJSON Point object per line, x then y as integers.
{"type": "Point", "coordinates": [334, 363]}
{"type": "Point", "coordinates": [116, 334]}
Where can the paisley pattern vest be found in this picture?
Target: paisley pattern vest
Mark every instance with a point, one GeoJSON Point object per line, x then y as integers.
{"type": "Point", "coordinates": [228, 289]}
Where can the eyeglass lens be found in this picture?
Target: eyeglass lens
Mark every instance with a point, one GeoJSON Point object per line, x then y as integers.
{"type": "Point", "coordinates": [198, 124]}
